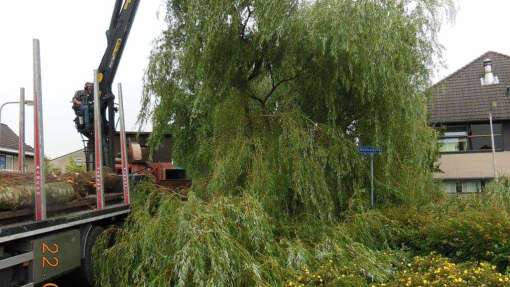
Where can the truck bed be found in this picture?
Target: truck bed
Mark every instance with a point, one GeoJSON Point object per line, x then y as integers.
{"type": "Point", "coordinates": [20, 224]}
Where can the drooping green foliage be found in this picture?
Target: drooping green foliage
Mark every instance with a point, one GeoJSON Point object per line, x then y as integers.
{"type": "Point", "coordinates": [267, 102]}
{"type": "Point", "coordinates": [271, 98]}
{"type": "Point", "coordinates": [227, 242]}
{"type": "Point", "coordinates": [232, 242]}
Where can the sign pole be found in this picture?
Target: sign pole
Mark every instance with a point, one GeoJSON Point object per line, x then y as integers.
{"type": "Point", "coordinates": [123, 151]}
{"type": "Point", "coordinates": [40, 194]}
{"type": "Point", "coordinates": [21, 142]}
{"type": "Point", "coordinates": [98, 144]}
{"type": "Point", "coordinates": [372, 195]}
{"type": "Point", "coordinates": [371, 151]}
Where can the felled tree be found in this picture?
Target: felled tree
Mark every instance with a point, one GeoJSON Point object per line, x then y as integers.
{"type": "Point", "coordinates": [271, 98]}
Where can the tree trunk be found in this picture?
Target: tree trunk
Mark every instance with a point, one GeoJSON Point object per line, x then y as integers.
{"type": "Point", "coordinates": [17, 191]}
{"type": "Point", "coordinates": [19, 196]}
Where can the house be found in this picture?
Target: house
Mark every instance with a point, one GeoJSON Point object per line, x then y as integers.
{"type": "Point", "coordinates": [460, 108]}
{"type": "Point", "coordinates": [61, 163]}
{"type": "Point", "coordinates": [9, 151]}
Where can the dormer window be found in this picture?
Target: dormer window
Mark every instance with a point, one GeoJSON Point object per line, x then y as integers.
{"type": "Point", "coordinates": [489, 78]}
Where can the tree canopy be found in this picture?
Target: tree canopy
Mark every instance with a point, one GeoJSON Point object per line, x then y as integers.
{"type": "Point", "coordinates": [272, 98]}
{"type": "Point", "coordinates": [268, 102]}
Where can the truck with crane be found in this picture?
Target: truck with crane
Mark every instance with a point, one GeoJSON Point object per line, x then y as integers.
{"type": "Point", "coordinates": [34, 251]}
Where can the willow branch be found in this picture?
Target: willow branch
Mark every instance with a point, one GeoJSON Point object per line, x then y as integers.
{"type": "Point", "coordinates": [275, 87]}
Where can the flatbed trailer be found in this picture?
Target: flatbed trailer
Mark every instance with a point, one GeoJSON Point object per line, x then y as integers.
{"type": "Point", "coordinates": [43, 242]}
{"type": "Point", "coordinates": [34, 253]}
{"type": "Point", "coordinates": [83, 204]}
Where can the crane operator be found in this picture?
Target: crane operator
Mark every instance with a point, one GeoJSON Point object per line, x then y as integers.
{"type": "Point", "coordinates": [82, 101]}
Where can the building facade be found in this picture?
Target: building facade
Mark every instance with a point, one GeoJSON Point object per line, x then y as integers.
{"type": "Point", "coordinates": [62, 163]}
{"type": "Point", "coordinates": [9, 151]}
{"type": "Point", "coordinates": [473, 152]}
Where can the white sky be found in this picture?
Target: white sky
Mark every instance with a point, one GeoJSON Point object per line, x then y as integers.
{"type": "Point", "coordinates": [72, 35]}
{"type": "Point", "coordinates": [479, 26]}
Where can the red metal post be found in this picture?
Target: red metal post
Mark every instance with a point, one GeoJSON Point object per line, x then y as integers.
{"type": "Point", "coordinates": [40, 195]}
{"type": "Point", "coordinates": [98, 144]}
{"type": "Point", "coordinates": [21, 142]}
{"type": "Point", "coordinates": [123, 150]}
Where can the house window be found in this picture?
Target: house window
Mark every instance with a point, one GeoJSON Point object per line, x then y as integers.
{"type": "Point", "coordinates": [6, 162]}
{"type": "Point", "coordinates": [480, 137]}
{"type": "Point", "coordinates": [453, 144]}
{"type": "Point", "coordinates": [454, 139]}
{"type": "Point", "coordinates": [3, 162]}
{"type": "Point", "coordinates": [474, 137]}
{"type": "Point", "coordinates": [464, 187]}
{"type": "Point", "coordinates": [450, 187]}
{"type": "Point", "coordinates": [471, 186]}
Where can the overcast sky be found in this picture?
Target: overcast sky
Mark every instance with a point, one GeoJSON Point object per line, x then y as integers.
{"type": "Point", "coordinates": [72, 37]}
{"type": "Point", "coordinates": [73, 41]}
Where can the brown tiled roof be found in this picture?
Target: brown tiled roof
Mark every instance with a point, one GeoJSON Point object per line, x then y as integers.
{"type": "Point", "coordinates": [9, 140]}
{"type": "Point", "coordinates": [460, 97]}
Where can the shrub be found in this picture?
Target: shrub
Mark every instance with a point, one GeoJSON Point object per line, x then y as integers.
{"type": "Point", "coordinates": [470, 235]}
{"type": "Point", "coordinates": [354, 270]}
{"type": "Point", "coordinates": [434, 270]}
{"type": "Point", "coordinates": [468, 229]}
{"type": "Point", "coordinates": [499, 185]}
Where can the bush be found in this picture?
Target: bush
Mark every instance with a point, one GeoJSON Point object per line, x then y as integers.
{"type": "Point", "coordinates": [499, 185]}
{"type": "Point", "coordinates": [471, 235]}
{"type": "Point", "coordinates": [359, 268]}
{"type": "Point", "coordinates": [467, 229]}
{"type": "Point", "coordinates": [434, 270]}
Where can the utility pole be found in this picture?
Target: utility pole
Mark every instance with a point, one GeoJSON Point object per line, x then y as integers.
{"type": "Point", "coordinates": [493, 106]}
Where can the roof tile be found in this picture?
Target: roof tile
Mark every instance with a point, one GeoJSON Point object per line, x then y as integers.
{"type": "Point", "coordinates": [460, 97]}
{"type": "Point", "coordinates": [9, 139]}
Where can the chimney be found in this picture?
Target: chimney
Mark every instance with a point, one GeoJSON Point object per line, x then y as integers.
{"type": "Point", "coordinates": [488, 78]}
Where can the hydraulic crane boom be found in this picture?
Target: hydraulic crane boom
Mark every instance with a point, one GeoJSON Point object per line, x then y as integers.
{"type": "Point", "coordinates": [117, 35]}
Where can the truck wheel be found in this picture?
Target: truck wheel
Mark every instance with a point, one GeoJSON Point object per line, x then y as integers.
{"type": "Point", "coordinates": [87, 266]}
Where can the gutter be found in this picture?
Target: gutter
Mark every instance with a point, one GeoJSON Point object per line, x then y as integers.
{"type": "Point", "coordinates": [15, 151]}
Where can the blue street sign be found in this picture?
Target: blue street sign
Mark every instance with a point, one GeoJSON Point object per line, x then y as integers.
{"type": "Point", "coordinates": [370, 150]}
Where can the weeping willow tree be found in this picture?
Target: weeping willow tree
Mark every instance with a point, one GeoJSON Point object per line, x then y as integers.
{"type": "Point", "coordinates": [271, 98]}
{"type": "Point", "coordinates": [267, 102]}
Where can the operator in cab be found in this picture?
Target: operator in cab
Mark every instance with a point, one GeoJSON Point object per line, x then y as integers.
{"type": "Point", "coordinates": [81, 106]}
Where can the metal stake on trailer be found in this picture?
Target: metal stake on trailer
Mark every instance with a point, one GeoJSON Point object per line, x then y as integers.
{"type": "Point", "coordinates": [40, 194]}
{"type": "Point", "coordinates": [98, 144]}
{"type": "Point", "coordinates": [21, 143]}
{"type": "Point", "coordinates": [123, 151]}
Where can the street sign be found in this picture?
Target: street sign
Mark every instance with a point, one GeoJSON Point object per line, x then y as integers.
{"type": "Point", "coordinates": [370, 150]}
